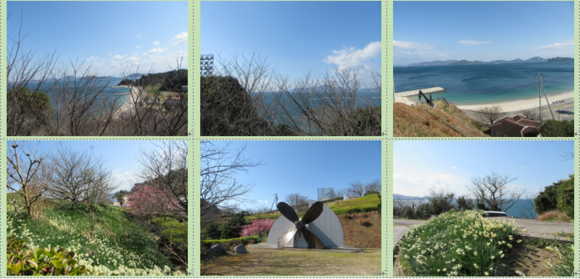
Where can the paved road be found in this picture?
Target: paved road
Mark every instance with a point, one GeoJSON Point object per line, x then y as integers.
{"type": "Point", "coordinates": [535, 228]}
{"type": "Point", "coordinates": [398, 233]}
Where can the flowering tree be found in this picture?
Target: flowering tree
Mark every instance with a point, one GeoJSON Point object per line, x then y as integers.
{"type": "Point", "coordinates": [149, 200]}
{"type": "Point", "coordinates": [258, 226]}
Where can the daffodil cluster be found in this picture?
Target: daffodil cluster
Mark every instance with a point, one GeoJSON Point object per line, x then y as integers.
{"type": "Point", "coordinates": [102, 251]}
{"type": "Point", "coordinates": [457, 244]}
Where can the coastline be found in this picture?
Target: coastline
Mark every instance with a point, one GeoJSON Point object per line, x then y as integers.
{"type": "Point", "coordinates": [128, 106]}
{"type": "Point", "coordinates": [509, 106]}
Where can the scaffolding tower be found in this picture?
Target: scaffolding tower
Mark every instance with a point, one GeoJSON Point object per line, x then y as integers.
{"type": "Point", "coordinates": [206, 61]}
{"type": "Point", "coordinates": [325, 193]}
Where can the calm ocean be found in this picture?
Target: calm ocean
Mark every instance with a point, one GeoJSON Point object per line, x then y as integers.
{"type": "Point", "coordinates": [487, 83]}
{"type": "Point", "coordinates": [109, 91]}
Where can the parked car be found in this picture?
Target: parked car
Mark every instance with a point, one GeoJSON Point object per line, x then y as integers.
{"type": "Point", "coordinates": [496, 214]}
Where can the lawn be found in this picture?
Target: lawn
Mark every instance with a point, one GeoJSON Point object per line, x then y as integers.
{"type": "Point", "coordinates": [299, 262]}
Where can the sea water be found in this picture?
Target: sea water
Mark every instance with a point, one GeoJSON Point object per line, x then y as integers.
{"type": "Point", "coordinates": [487, 83]}
{"type": "Point", "coordinates": [109, 92]}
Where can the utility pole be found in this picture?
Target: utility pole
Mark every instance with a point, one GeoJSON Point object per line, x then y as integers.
{"type": "Point", "coordinates": [540, 90]}
{"type": "Point", "coordinates": [539, 77]}
{"type": "Point", "coordinates": [275, 201]}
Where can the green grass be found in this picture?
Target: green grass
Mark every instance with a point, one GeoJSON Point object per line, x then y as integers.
{"type": "Point", "coordinates": [564, 267]}
{"type": "Point", "coordinates": [458, 244]}
{"type": "Point", "coordinates": [120, 243]}
{"type": "Point", "coordinates": [363, 204]}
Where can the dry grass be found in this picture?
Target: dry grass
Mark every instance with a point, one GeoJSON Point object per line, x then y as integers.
{"type": "Point", "coordinates": [361, 230]}
{"type": "Point", "coordinates": [530, 259]}
{"type": "Point", "coordinates": [554, 216]}
{"type": "Point", "coordinates": [424, 121]}
{"type": "Point", "coordinates": [302, 262]}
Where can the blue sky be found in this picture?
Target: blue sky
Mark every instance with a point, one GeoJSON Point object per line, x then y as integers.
{"type": "Point", "coordinates": [105, 34]}
{"type": "Point", "coordinates": [120, 157]}
{"type": "Point", "coordinates": [303, 166]}
{"type": "Point", "coordinates": [296, 37]}
{"type": "Point", "coordinates": [418, 165]}
{"type": "Point", "coordinates": [484, 31]}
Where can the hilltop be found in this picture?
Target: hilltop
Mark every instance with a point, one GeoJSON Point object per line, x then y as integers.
{"type": "Point", "coordinates": [425, 121]}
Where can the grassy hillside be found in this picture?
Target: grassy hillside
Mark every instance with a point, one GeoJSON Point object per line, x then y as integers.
{"type": "Point", "coordinates": [425, 121]}
{"type": "Point", "coordinates": [119, 244]}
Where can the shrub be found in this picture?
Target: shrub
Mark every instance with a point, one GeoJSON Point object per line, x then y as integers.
{"type": "Point", "coordinates": [559, 195]}
{"type": "Point", "coordinates": [212, 231]}
{"type": "Point", "coordinates": [35, 262]}
{"type": "Point", "coordinates": [457, 244]}
{"type": "Point", "coordinates": [565, 198]}
{"type": "Point", "coordinates": [228, 110]}
{"type": "Point", "coordinates": [233, 226]}
{"type": "Point", "coordinates": [555, 128]}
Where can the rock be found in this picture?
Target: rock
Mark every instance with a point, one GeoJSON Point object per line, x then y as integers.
{"type": "Point", "coordinates": [240, 249]}
{"type": "Point", "coordinates": [217, 249]}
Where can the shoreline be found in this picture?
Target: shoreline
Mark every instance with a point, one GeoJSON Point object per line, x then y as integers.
{"type": "Point", "coordinates": [128, 106]}
{"type": "Point", "coordinates": [509, 106]}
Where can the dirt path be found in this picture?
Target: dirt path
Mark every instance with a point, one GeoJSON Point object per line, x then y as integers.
{"type": "Point", "coordinates": [266, 262]}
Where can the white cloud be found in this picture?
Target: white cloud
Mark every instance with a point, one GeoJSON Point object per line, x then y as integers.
{"type": "Point", "coordinates": [155, 51]}
{"type": "Point", "coordinates": [411, 45]}
{"type": "Point", "coordinates": [109, 54]}
{"type": "Point", "coordinates": [92, 58]}
{"type": "Point", "coordinates": [133, 59]}
{"type": "Point", "coordinates": [156, 43]}
{"type": "Point", "coordinates": [472, 43]}
{"type": "Point", "coordinates": [454, 167]}
{"type": "Point", "coordinates": [352, 57]}
{"type": "Point", "coordinates": [135, 54]}
{"type": "Point", "coordinates": [138, 47]}
{"type": "Point", "coordinates": [418, 185]}
{"type": "Point", "coordinates": [118, 57]}
{"type": "Point", "coordinates": [522, 167]}
{"type": "Point", "coordinates": [556, 45]}
{"type": "Point", "coordinates": [180, 39]}
{"type": "Point", "coordinates": [138, 36]}
{"type": "Point", "coordinates": [125, 179]}
{"type": "Point", "coordinates": [263, 201]}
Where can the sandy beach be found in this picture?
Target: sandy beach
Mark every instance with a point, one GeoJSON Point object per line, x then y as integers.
{"type": "Point", "coordinates": [511, 106]}
{"type": "Point", "coordinates": [128, 105]}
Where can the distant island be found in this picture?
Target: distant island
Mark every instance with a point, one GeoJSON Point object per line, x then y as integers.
{"type": "Point", "coordinates": [467, 62]}
{"type": "Point", "coordinates": [558, 59]}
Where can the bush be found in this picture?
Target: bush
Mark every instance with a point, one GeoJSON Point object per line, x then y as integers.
{"type": "Point", "coordinates": [228, 110]}
{"type": "Point", "coordinates": [555, 128]}
{"type": "Point", "coordinates": [39, 262]}
{"type": "Point", "coordinates": [457, 244]}
{"type": "Point", "coordinates": [559, 195]}
{"type": "Point", "coordinates": [565, 198]}
{"type": "Point", "coordinates": [233, 226]}
{"type": "Point", "coordinates": [212, 231]}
